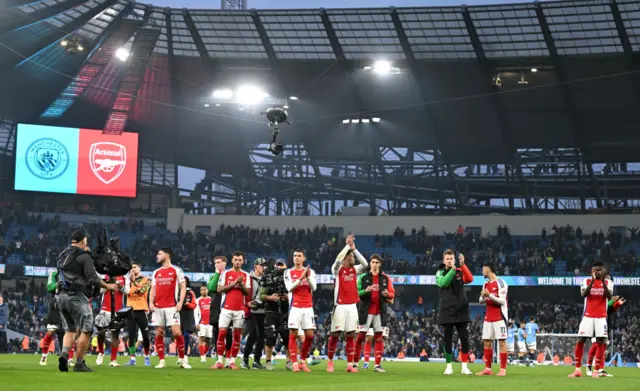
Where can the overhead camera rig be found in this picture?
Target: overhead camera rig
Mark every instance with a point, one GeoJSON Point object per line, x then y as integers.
{"type": "Point", "coordinates": [276, 116]}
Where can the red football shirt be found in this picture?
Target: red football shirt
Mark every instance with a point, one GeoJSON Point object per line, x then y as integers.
{"type": "Point", "coordinates": [374, 306]}
{"type": "Point", "coordinates": [496, 312]}
{"type": "Point", "coordinates": [119, 296]}
{"type": "Point", "coordinates": [346, 288]}
{"type": "Point", "coordinates": [301, 296]}
{"type": "Point", "coordinates": [204, 309]}
{"type": "Point", "coordinates": [595, 304]}
{"type": "Point", "coordinates": [233, 299]}
{"type": "Point", "coordinates": [166, 281]}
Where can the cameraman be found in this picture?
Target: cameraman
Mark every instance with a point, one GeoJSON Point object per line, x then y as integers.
{"type": "Point", "coordinates": [78, 282]}
{"type": "Point", "coordinates": [276, 305]}
{"type": "Point", "coordinates": [255, 325]}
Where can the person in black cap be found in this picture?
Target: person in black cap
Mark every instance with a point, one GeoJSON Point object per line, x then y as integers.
{"type": "Point", "coordinates": [255, 324]}
{"type": "Point", "coordinates": [77, 280]}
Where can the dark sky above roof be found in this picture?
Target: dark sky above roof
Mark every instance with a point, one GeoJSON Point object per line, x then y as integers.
{"type": "Point", "coordinates": [283, 4]}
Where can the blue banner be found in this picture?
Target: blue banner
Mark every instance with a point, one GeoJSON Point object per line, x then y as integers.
{"type": "Point", "coordinates": [398, 279]}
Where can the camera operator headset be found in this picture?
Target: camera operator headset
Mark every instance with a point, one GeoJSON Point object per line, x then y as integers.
{"type": "Point", "coordinates": [255, 324]}
{"type": "Point", "coordinates": [276, 304]}
{"type": "Point", "coordinates": [78, 280]}
{"type": "Point", "coordinates": [104, 321]}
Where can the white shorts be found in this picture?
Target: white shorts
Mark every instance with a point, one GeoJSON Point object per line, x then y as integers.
{"type": "Point", "coordinates": [374, 325]}
{"type": "Point", "coordinates": [510, 347]}
{"type": "Point", "coordinates": [494, 330]}
{"type": "Point", "coordinates": [344, 318]}
{"type": "Point", "coordinates": [522, 347]}
{"type": "Point", "coordinates": [369, 332]}
{"type": "Point", "coordinates": [231, 318]}
{"type": "Point", "coordinates": [52, 327]}
{"type": "Point", "coordinates": [593, 327]}
{"type": "Point", "coordinates": [301, 319]}
{"type": "Point", "coordinates": [163, 317]}
{"type": "Point", "coordinates": [205, 331]}
{"type": "Point", "coordinates": [103, 319]}
{"type": "Point", "coordinates": [300, 333]}
{"type": "Point", "coordinates": [532, 346]}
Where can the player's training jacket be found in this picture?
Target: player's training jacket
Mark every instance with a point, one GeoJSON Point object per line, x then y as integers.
{"type": "Point", "coordinates": [216, 299]}
{"type": "Point", "coordinates": [365, 280]}
{"type": "Point", "coordinates": [454, 303]}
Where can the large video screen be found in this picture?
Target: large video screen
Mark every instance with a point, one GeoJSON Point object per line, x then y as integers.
{"type": "Point", "coordinates": [76, 161]}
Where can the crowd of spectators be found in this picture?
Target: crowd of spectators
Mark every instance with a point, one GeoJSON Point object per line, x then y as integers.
{"type": "Point", "coordinates": [411, 332]}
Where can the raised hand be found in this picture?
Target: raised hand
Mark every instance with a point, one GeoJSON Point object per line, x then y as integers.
{"type": "Point", "coordinates": [351, 241]}
{"type": "Point", "coordinates": [461, 259]}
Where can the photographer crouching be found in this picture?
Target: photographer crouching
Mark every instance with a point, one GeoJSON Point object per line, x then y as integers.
{"type": "Point", "coordinates": [275, 297]}
{"type": "Point", "coordinates": [78, 280]}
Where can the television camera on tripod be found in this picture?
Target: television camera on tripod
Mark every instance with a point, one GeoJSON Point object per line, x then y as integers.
{"type": "Point", "coordinates": [111, 261]}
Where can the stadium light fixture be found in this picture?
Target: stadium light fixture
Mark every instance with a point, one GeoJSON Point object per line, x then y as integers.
{"type": "Point", "coordinates": [217, 104]}
{"type": "Point", "coordinates": [365, 120]}
{"type": "Point", "coordinates": [534, 70]}
{"type": "Point", "coordinates": [345, 121]}
{"type": "Point", "coordinates": [355, 121]}
{"type": "Point", "coordinates": [375, 119]}
{"type": "Point", "coordinates": [382, 67]}
{"type": "Point", "coordinates": [293, 98]}
{"type": "Point", "coordinates": [64, 43]}
{"type": "Point", "coordinates": [225, 94]}
{"type": "Point", "coordinates": [122, 54]}
{"type": "Point", "coordinates": [79, 48]}
{"type": "Point", "coordinates": [207, 105]}
{"type": "Point", "coordinates": [241, 108]}
{"type": "Point", "coordinates": [250, 95]}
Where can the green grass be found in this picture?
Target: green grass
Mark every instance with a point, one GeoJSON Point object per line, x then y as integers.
{"type": "Point", "coordinates": [22, 373]}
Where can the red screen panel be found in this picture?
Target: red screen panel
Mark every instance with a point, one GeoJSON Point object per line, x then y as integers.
{"type": "Point", "coordinates": [107, 164]}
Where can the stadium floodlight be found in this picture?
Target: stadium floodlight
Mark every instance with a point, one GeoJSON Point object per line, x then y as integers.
{"type": "Point", "coordinates": [122, 54]}
{"type": "Point", "coordinates": [534, 70]}
{"type": "Point", "coordinates": [293, 97]}
{"type": "Point", "coordinates": [207, 105]}
{"type": "Point", "coordinates": [382, 67]}
{"type": "Point", "coordinates": [368, 68]}
{"type": "Point", "coordinates": [285, 107]}
{"type": "Point", "coordinates": [64, 43]}
{"type": "Point", "coordinates": [250, 95]}
{"type": "Point", "coordinates": [79, 48]}
{"type": "Point", "coordinates": [217, 104]}
{"type": "Point", "coordinates": [366, 120]}
{"type": "Point", "coordinates": [225, 94]}
{"type": "Point", "coordinates": [355, 121]}
{"type": "Point", "coordinates": [375, 119]}
{"type": "Point", "coordinates": [345, 121]}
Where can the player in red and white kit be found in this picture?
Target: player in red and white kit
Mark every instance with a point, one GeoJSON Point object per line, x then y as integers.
{"type": "Point", "coordinates": [596, 291]}
{"type": "Point", "coordinates": [234, 285]}
{"type": "Point", "coordinates": [168, 290]}
{"type": "Point", "coordinates": [301, 283]}
{"type": "Point", "coordinates": [103, 319]}
{"type": "Point", "coordinates": [345, 312]}
{"type": "Point", "coordinates": [205, 330]}
{"type": "Point", "coordinates": [494, 295]}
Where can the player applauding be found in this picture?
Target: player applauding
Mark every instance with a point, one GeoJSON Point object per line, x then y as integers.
{"type": "Point", "coordinates": [234, 285]}
{"type": "Point", "coordinates": [595, 290]}
{"type": "Point", "coordinates": [494, 294]}
{"type": "Point", "coordinates": [345, 312]}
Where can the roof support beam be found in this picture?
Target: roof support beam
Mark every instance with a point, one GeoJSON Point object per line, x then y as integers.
{"type": "Point", "coordinates": [195, 34]}
{"type": "Point", "coordinates": [632, 62]}
{"type": "Point", "coordinates": [46, 37]}
{"type": "Point", "coordinates": [431, 120]}
{"type": "Point", "coordinates": [347, 69]}
{"type": "Point", "coordinates": [505, 131]}
{"type": "Point", "coordinates": [566, 93]}
{"type": "Point", "coordinates": [14, 18]}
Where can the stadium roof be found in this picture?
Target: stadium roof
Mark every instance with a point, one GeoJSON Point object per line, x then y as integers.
{"type": "Point", "coordinates": [439, 103]}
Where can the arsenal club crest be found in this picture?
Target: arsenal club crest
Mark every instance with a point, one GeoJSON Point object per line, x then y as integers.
{"type": "Point", "coordinates": [107, 161]}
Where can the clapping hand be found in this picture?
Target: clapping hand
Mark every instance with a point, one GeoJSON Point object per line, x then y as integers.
{"type": "Point", "coordinates": [351, 241]}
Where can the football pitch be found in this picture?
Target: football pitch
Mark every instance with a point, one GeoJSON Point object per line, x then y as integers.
{"type": "Point", "coordinates": [22, 373]}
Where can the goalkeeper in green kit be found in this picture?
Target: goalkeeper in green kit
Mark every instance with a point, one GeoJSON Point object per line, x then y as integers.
{"type": "Point", "coordinates": [454, 307]}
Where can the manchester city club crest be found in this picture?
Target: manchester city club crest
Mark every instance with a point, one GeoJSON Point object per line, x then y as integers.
{"type": "Point", "coordinates": [47, 158]}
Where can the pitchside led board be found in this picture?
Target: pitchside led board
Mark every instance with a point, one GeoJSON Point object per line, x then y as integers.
{"type": "Point", "coordinates": [76, 161]}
